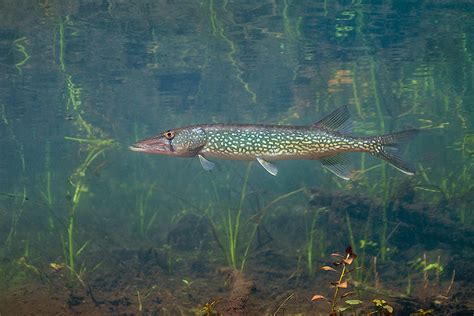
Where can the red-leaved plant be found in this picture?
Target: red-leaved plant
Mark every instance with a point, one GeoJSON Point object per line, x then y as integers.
{"type": "Point", "coordinates": [341, 286]}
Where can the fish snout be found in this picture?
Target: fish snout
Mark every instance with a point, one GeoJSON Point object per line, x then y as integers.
{"type": "Point", "coordinates": [154, 145]}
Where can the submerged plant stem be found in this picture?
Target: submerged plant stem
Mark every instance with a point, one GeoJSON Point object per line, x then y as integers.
{"type": "Point", "coordinates": [235, 226]}
{"type": "Point", "coordinates": [259, 219]}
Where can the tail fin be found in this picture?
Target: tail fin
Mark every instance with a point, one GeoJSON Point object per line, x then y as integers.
{"type": "Point", "coordinates": [389, 146]}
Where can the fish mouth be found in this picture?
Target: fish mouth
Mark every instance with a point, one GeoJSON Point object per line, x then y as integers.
{"type": "Point", "coordinates": [154, 148]}
{"type": "Point", "coordinates": [135, 147]}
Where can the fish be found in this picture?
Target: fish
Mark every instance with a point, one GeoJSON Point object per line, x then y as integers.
{"type": "Point", "coordinates": [329, 140]}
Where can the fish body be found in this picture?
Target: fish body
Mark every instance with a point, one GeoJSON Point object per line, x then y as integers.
{"type": "Point", "coordinates": [270, 142]}
{"type": "Point", "coordinates": [328, 140]}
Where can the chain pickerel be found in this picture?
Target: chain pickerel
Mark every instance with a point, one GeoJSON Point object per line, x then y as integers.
{"type": "Point", "coordinates": [328, 140]}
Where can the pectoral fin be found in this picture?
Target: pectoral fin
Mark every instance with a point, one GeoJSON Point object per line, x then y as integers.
{"type": "Point", "coordinates": [271, 168]}
{"type": "Point", "coordinates": [206, 164]}
{"type": "Point", "coordinates": [340, 165]}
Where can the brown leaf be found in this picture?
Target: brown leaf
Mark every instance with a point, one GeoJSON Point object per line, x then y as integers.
{"type": "Point", "coordinates": [327, 268]}
{"type": "Point", "coordinates": [343, 285]}
{"type": "Point", "coordinates": [348, 261]}
{"type": "Point", "coordinates": [318, 297]}
{"type": "Point", "coordinates": [347, 294]}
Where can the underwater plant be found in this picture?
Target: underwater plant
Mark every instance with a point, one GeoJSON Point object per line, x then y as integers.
{"type": "Point", "coordinates": [232, 228]}
{"type": "Point", "coordinates": [423, 266]}
{"type": "Point", "coordinates": [145, 219]}
{"type": "Point", "coordinates": [208, 309]}
{"type": "Point", "coordinates": [20, 194]}
{"type": "Point", "coordinates": [431, 285]}
{"type": "Point", "coordinates": [311, 239]}
{"type": "Point", "coordinates": [342, 263]}
{"type": "Point", "coordinates": [310, 234]}
{"type": "Point", "coordinates": [381, 307]}
{"type": "Point", "coordinates": [338, 303]}
{"type": "Point", "coordinates": [237, 245]}
{"type": "Point", "coordinates": [92, 142]}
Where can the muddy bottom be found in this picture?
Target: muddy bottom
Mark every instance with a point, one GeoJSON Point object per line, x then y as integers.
{"type": "Point", "coordinates": [188, 275]}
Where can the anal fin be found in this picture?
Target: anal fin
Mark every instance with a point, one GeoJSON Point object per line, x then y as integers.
{"type": "Point", "coordinates": [206, 164]}
{"type": "Point", "coordinates": [271, 168]}
{"type": "Point", "coordinates": [340, 165]}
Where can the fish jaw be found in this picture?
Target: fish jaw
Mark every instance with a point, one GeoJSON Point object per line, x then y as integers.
{"type": "Point", "coordinates": [180, 142]}
{"type": "Point", "coordinates": [154, 145]}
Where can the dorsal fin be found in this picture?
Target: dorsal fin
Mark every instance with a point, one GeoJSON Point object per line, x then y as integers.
{"type": "Point", "coordinates": [337, 120]}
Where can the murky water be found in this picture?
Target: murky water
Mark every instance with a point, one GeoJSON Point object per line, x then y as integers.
{"type": "Point", "coordinates": [92, 227]}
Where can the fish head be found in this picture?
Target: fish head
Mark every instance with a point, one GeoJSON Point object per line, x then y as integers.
{"type": "Point", "coordinates": [180, 142]}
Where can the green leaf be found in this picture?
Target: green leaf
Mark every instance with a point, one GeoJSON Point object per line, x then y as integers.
{"type": "Point", "coordinates": [343, 308]}
{"type": "Point", "coordinates": [432, 266]}
{"type": "Point", "coordinates": [82, 248]}
{"type": "Point", "coordinates": [353, 302]}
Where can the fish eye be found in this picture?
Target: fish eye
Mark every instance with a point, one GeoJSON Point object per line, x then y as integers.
{"type": "Point", "coordinates": [169, 135]}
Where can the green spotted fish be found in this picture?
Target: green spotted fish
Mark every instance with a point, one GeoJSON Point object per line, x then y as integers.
{"type": "Point", "coordinates": [328, 140]}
